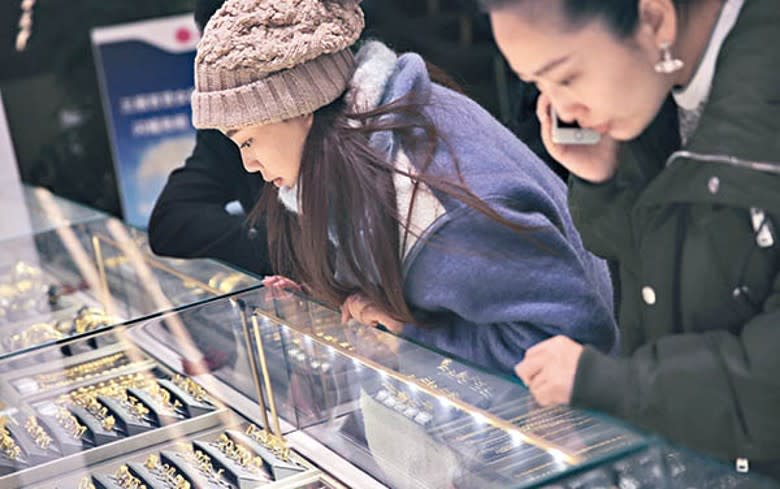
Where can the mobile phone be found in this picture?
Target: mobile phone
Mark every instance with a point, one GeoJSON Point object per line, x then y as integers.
{"type": "Point", "coordinates": [571, 133]}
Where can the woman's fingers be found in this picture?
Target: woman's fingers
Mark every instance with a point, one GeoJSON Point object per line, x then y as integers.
{"type": "Point", "coordinates": [593, 162]}
{"type": "Point", "coordinates": [359, 308]}
{"type": "Point", "coordinates": [545, 122]}
{"type": "Point", "coordinates": [543, 108]}
{"type": "Point", "coordinates": [280, 281]}
{"type": "Point", "coordinates": [350, 309]}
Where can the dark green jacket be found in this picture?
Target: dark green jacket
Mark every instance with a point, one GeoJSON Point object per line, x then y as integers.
{"type": "Point", "coordinates": [700, 312]}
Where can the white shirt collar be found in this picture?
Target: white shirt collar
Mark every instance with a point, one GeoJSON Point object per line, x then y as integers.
{"type": "Point", "coordinates": [697, 91]}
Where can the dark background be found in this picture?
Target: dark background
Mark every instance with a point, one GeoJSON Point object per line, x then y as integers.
{"type": "Point", "coordinates": [50, 90]}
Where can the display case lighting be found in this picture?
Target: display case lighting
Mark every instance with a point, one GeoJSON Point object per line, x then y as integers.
{"type": "Point", "coordinates": [479, 418]}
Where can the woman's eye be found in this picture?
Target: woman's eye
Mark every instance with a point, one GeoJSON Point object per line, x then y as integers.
{"type": "Point", "coordinates": [246, 144]}
{"type": "Point", "coordinates": [567, 81]}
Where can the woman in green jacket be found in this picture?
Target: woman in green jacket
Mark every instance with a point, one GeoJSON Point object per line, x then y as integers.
{"type": "Point", "coordinates": [683, 190]}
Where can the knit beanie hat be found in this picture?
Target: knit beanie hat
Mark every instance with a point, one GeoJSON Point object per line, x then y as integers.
{"type": "Point", "coordinates": [263, 61]}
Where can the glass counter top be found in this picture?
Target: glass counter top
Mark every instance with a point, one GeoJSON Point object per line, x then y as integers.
{"type": "Point", "coordinates": [76, 279]}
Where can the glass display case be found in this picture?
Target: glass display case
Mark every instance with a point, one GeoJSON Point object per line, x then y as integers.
{"type": "Point", "coordinates": [29, 210]}
{"type": "Point", "coordinates": [414, 418]}
{"type": "Point", "coordinates": [47, 211]}
{"type": "Point", "coordinates": [76, 279]}
{"type": "Point", "coordinates": [661, 465]}
{"type": "Point", "coordinates": [268, 389]}
{"type": "Point", "coordinates": [114, 416]}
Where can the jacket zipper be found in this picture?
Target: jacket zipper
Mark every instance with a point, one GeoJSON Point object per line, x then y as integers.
{"type": "Point", "coordinates": [762, 166]}
{"type": "Point", "coordinates": [762, 226]}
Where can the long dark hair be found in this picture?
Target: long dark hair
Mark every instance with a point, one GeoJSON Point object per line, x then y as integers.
{"type": "Point", "coordinates": [347, 201]}
{"type": "Point", "coordinates": [621, 16]}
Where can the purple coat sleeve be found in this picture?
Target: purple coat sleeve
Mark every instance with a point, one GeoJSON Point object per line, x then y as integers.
{"type": "Point", "coordinates": [486, 293]}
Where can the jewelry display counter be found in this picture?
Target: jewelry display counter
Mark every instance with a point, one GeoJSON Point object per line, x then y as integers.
{"type": "Point", "coordinates": [116, 417]}
{"type": "Point", "coordinates": [268, 389]}
{"type": "Point", "coordinates": [407, 416]}
{"type": "Point", "coordinates": [77, 279]}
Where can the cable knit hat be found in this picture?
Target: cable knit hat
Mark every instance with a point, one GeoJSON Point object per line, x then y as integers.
{"type": "Point", "coordinates": [263, 61]}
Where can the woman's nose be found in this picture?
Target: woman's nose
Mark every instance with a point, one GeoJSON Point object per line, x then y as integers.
{"type": "Point", "coordinates": [251, 165]}
{"type": "Point", "coordinates": [567, 113]}
{"type": "Point", "coordinates": [570, 112]}
{"type": "Point", "coordinates": [567, 109]}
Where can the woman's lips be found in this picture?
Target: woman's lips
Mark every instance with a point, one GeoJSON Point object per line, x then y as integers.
{"type": "Point", "coordinates": [601, 128]}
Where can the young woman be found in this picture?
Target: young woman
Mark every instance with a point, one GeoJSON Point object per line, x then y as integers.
{"type": "Point", "coordinates": [683, 192]}
{"type": "Point", "coordinates": [398, 199]}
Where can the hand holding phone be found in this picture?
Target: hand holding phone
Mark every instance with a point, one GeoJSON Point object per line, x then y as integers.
{"type": "Point", "coordinates": [595, 162]}
{"type": "Point", "coordinates": [571, 133]}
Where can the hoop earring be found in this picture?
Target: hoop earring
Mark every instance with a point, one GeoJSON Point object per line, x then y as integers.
{"type": "Point", "coordinates": [668, 64]}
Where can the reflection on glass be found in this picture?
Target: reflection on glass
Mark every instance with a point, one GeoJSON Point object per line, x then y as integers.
{"type": "Point", "coordinates": [48, 211]}
{"type": "Point", "coordinates": [661, 465]}
{"type": "Point", "coordinates": [75, 280]}
{"type": "Point", "coordinates": [122, 409]}
{"type": "Point", "coordinates": [414, 418]}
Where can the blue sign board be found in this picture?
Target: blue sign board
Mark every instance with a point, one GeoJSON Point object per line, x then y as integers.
{"type": "Point", "coordinates": [146, 79]}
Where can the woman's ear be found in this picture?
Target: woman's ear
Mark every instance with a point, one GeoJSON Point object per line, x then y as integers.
{"type": "Point", "coordinates": [658, 20]}
{"type": "Point", "coordinates": [309, 120]}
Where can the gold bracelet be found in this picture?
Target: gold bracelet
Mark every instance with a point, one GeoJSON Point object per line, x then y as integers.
{"type": "Point", "coordinates": [24, 269]}
{"type": "Point", "coordinates": [163, 396]}
{"type": "Point", "coordinates": [93, 406]}
{"type": "Point", "coordinates": [34, 335]}
{"type": "Point", "coordinates": [7, 444]}
{"type": "Point", "coordinates": [70, 423]}
{"type": "Point", "coordinates": [81, 371]}
{"type": "Point", "coordinates": [114, 387]}
{"type": "Point", "coordinates": [226, 283]}
{"type": "Point", "coordinates": [190, 387]}
{"type": "Point", "coordinates": [7, 291]}
{"type": "Point", "coordinates": [90, 319]}
{"type": "Point", "coordinates": [126, 480]}
{"type": "Point", "coordinates": [136, 407]}
{"type": "Point", "coordinates": [86, 319]}
{"type": "Point", "coordinates": [166, 472]}
{"type": "Point", "coordinates": [276, 445]}
{"type": "Point", "coordinates": [38, 434]}
{"type": "Point", "coordinates": [237, 453]}
{"type": "Point", "coordinates": [335, 341]}
{"type": "Point", "coordinates": [203, 462]}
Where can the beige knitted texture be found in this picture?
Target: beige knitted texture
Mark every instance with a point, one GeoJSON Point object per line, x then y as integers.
{"type": "Point", "coordinates": [267, 36]}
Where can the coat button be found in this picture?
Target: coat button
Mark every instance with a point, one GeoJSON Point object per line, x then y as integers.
{"type": "Point", "coordinates": [713, 185]}
{"type": "Point", "coordinates": [252, 233]}
{"type": "Point", "coordinates": [648, 295]}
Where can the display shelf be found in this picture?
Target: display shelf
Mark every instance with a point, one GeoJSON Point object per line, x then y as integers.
{"type": "Point", "coordinates": [327, 405]}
